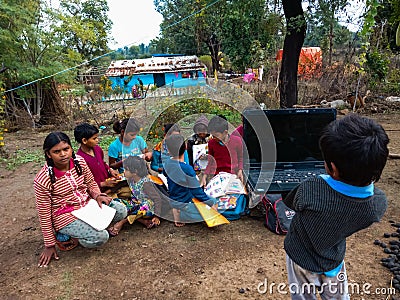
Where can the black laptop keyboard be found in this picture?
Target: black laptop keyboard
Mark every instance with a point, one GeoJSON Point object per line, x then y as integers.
{"type": "Point", "coordinates": [284, 177]}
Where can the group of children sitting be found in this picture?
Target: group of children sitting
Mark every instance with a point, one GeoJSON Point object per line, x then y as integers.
{"type": "Point", "coordinates": [329, 207]}
{"type": "Point", "coordinates": [67, 181]}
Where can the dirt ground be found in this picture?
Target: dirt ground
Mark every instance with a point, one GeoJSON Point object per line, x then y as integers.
{"type": "Point", "coordinates": [242, 260]}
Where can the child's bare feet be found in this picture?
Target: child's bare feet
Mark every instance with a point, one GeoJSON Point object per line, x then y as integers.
{"type": "Point", "coordinates": [116, 228]}
{"type": "Point", "coordinates": [156, 221]}
{"type": "Point", "coordinates": [179, 224]}
{"type": "Point", "coordinates": [176, 213]}
{"type": "Point", "coordinates": [148, 223]}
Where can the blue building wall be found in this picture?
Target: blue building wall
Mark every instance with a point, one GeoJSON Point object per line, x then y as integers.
{"type": "Point", "coordinates": [174, 79]}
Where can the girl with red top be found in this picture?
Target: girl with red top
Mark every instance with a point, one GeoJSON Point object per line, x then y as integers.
{"type": "Point", "coordinates": [64, 184]}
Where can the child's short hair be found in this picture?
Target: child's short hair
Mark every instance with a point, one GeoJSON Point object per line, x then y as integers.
{"type": "Point", "coordinates": [84, 131]}
{"type": "Point", "coordinates": [170, 128]}
{"type": "Point", "coordinates": [127, 124]}
{"type": "Point", "coordinates": [175, 145]}
{"type": "Point", "coordinates": [218, 124]}
{"type": "Point", "coordinates": [137, 165]}
{"type": "Point", "coordinates": [358, 148]}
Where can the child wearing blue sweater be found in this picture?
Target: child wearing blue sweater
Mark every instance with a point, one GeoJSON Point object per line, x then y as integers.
{"type": "Point", "coordinates": [183, 185]}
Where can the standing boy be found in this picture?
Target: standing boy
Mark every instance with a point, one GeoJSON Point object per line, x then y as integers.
{"type": "Point", "coordinates": [329, 208]}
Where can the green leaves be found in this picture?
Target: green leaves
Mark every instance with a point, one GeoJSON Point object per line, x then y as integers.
{"type": "Point", "coordinates": [236, 25]}
{"type": "Point", "coordinates": [83, 26]}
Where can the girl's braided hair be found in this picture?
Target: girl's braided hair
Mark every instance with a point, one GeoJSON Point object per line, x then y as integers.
{"type": "Point", "coordinates": [49, 142]}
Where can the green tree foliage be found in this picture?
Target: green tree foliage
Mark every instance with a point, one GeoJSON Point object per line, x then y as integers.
{"type": "Point", "coordinates": [37, 41]}
{"type": "Point", "coordinates": [84, 27]}
{"type": "Point", "coordinates": [323, 26]}
{"type": "Point", "coordinates": [235, 28]}
{"type": "Point", "coordinates": [29, 50]}
{"type": "Point", "coordinates": [388, 22]}
{"type": "Point", "coordinates": [320, 34]}
{"type": "Point", "coordinates": [179, 38]}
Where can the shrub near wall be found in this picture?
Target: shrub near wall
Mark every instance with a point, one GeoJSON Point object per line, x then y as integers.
{"type": "Point", "coordinates": [179, 111]}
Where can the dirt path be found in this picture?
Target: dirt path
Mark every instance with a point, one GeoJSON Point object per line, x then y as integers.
{"type": "Point", "coordinates": [193, 262]}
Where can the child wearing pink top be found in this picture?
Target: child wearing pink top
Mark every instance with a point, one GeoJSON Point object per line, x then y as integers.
{"type": "Point", "coordinates": [106, 178]}
{"type": "Point", "coordinates": [64, 184]}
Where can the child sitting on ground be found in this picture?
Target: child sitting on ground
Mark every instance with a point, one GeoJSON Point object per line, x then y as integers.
{"type": "Point", "coordinates": [63, 185]}
{"type": "Point", "coordinates": [332, 207]}
{"type": "Point", "coordinates": [128, 143]}
{"type": "Point", "coordinates": [199, 137]}
{"type": "Point", "coordinates": [87, 136]}
{"type": "Point", "coordinates": [145, 196]}
{"type": "Point", "coordinates": [183, 185]}
{"type": "Point", "coordinates": [225, 152]}
{"type": "Point", "coordinates": [160, 152]}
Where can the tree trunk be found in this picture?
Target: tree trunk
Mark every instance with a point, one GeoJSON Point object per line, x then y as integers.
{"type": "Point", "coordinates": [53, 111]}
{"type": "Point", "coordinates": [296, 30]}
{"type": "Point", "coordinates": [214, 46]}
{"type": "Point", "coordinates": [330, 43]}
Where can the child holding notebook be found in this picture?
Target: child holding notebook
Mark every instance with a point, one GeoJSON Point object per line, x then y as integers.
{"type": "Point", "coordinates": [332, 207]}
{"type": "Point", "coordinates": [63, 185]}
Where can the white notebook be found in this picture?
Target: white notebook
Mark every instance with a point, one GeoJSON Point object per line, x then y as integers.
{"type": "Point", "coordinates": [92, 214]}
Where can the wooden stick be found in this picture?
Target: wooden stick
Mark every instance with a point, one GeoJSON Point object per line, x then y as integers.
{"type": "Point", "coordinates": [306, 106]}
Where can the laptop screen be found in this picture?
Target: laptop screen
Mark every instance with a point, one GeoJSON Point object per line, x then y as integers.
{"type": "Point", "coordinates": [296, 133]}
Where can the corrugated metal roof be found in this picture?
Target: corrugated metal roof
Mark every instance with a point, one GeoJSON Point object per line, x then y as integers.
{"type": "Point", "coordinates": [154, 65]}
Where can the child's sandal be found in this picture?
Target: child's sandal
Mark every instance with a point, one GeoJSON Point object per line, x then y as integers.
{"type": "Point", "coordinates": [67, 245]}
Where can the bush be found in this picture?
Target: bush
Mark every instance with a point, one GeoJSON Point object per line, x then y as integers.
{"type": "Point", "coordinates": [188, 107]}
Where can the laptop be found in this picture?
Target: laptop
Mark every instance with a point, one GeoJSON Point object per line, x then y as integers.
{"type": "Point", "coordinates": [281, 147]}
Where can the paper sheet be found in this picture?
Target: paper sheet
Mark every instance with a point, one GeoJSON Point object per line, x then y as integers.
{"type": "Point", "coordinates": [92, 214]}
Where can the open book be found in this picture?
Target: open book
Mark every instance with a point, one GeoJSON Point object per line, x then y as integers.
{"type": "Point", "coordinates": [92, 214]}
{"type": "Point", "coordinates": [224, 183]}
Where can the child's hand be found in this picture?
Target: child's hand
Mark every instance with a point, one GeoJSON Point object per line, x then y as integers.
{"type": "Point", "coordinates": [203, 181]}
{"type": "Point", "coordinates": [109, 182]}
{"type": "Point", "coordinates": [46, 256]}
{"type": "Point", "coordinates": [103, 199]}
{"type": "Point", "coordinates": [114, 173]}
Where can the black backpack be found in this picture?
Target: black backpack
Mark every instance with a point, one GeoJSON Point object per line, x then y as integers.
{"type": "Point", "coordinates": [278, 216]}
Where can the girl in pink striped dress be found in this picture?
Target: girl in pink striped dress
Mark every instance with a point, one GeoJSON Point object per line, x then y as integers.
{"type": "Point", "coordinates": [64, 184]}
